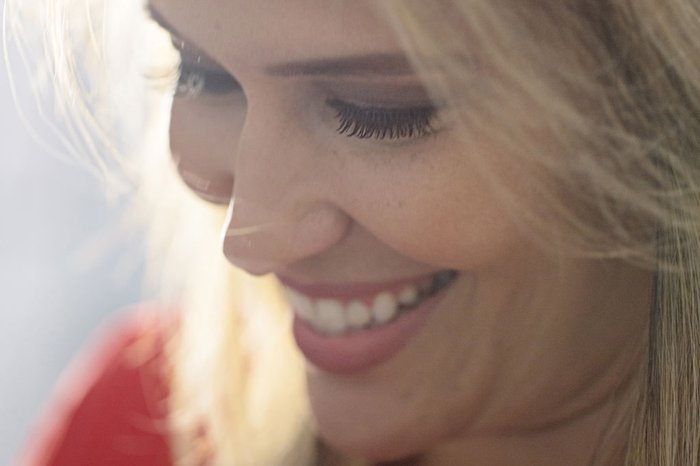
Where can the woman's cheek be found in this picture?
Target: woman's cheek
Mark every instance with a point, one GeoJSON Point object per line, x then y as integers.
{"type": "Point", "coordinates": [438, 215]}
{"type": "Point", "coordinates": [461, 235]}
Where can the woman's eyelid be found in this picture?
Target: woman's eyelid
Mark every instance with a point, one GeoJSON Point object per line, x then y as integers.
{"type": "Point", "coordinates": [195, 58]}
{"type": "Point", "coordinates": [193, 55]}
{"type": "Point", "coordinates": [195, 80]}
{"type": "Point", "coordinates": [199, 73]}
{"type": "Point", "coordinates": [386, 94]}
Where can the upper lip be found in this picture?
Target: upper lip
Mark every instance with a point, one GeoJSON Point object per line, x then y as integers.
{"type": "Point", "coordinates": [351, 290]}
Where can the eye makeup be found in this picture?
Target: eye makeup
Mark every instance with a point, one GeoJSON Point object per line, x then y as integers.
{"type": "Point", "coordinates": [374, 96]}
{"type": "Point", "coordinates": [392, 109]}
{"type": "Point", "coordinates": [194, 80]}
{"type": "Point", "coordinates": [381, 122]}
{"type": "Point", "coordinates": [393, 121]}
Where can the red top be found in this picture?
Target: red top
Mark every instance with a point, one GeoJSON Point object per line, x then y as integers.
{"type": "Point", "coordinates": [109, 408]}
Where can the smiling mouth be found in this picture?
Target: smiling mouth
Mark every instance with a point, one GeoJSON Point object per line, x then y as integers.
{"type": "Point", "coordinates": [331, 316]}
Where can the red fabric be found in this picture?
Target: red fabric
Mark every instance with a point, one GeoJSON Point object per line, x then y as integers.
{"type": "Point", "coordinates": [110, 407]}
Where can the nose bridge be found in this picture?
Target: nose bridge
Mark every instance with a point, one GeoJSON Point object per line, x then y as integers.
{"type": "Point", "coordinates": [279, 213]}
{"type": "Point", "coordinates": [263, 171]}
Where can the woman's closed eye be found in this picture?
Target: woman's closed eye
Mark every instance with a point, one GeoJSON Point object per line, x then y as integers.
{"type": "Point", "coordinates": [359, 121]}
{"type": "Point", "coordinates": [196, 79]}
{"type": "Point", "coordinates": [374, 122]}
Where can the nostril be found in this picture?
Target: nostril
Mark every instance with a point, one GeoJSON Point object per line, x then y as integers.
{"type": "Point", "coordinates": [261, 248]}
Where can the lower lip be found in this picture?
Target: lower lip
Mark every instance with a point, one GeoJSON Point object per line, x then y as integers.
{"type": "Point", "coordinates": [363, 350]}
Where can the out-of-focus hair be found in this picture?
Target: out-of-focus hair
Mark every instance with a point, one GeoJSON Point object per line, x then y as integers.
{"type": "Point", "coordinates": [596, 106]}
{"type": "Point", "coordinates": [237, 381]}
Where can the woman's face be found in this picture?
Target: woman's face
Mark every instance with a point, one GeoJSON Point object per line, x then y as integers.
{"type": "Point", "coordinates": [427, 318]}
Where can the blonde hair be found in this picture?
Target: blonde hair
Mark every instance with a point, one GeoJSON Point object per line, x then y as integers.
{"type": "Point", "coordinates": [614, 86]}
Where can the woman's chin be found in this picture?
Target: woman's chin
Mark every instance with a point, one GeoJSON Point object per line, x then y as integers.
{"type": "Point", "coordinates": [374, 440]}
{"type": "Point", "coordinates": [372, 448]}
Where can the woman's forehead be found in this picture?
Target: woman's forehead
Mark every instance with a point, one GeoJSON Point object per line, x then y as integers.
{"type": "Point", "coordinates": [261, 33]}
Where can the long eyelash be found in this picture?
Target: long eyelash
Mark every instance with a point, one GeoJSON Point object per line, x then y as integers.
{"type": "Point", "coordinates": [383, 123]}
{"type": "Point", "coordinates": [195, 80]}
{"type": "Point", "coordinates": [190, 80]}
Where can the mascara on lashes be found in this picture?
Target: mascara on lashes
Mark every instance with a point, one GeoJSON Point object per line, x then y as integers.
{"type": "Point", "coordinates": [382, 122]}
{"type": "Point", "coordinates": [210, 81]}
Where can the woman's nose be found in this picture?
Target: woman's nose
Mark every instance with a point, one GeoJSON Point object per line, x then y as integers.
{"type": "Point", "coordinates": [281, 211]}
{"type": "Point", "coordinates": [261, 239]}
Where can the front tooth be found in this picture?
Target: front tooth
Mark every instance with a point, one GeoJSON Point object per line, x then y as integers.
{"type": "Point", "coordinates": [358, 315]}
{"type": "Point", "coordinates": [301, 305]}
{"type": "Point", "coordinates": [329, 317]}
{"type": "Point", "coordinates": [384, 308]}
{"type": "Point", "coordinates": [408, 296]}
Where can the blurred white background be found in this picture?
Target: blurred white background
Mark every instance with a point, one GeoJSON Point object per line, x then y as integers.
{"type": "Point", "coordinates": [53, 292]}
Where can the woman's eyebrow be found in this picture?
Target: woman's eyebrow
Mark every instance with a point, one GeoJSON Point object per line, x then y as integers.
{"type": "Point", "coordinates": [372, 64]}
{"type": "Point", "coordinates": [375, 64]}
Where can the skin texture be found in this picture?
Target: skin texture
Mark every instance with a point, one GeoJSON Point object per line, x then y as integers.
{"type": "Point", "coordinates": [527, 358]}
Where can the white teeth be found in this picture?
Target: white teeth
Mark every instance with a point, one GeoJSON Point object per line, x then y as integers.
{"type": "Point", "coordinates": [301, 304]}
{"type": "Point", "coordinates": [329, 317]}
{"type": "Point", "coordinates": [408, 296]}
{"type": "Point", "coordinates": [334, 317]}
{"type": "Point", "coordinates": [384, 308]}
{"type": "Point", "coordinates": [358, 315]}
